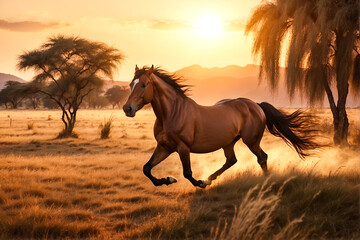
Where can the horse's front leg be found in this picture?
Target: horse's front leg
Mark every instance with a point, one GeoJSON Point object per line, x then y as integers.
{"type": "Point", "coordinates": [184, 153]}
{"type": "Point", "coordinates": [158, 156]}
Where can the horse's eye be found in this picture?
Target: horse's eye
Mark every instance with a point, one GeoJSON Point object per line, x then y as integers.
{"type": "Point", "coordinates": [143, 85]}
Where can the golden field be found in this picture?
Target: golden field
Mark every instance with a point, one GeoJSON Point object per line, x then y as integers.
{"type": "Point", "coordinates": [94, 188]}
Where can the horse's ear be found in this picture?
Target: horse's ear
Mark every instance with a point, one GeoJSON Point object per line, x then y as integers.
{"type": "Point", "coordinates": [136, 68]}
{"type": "Point", "coordinates": [151, 70]}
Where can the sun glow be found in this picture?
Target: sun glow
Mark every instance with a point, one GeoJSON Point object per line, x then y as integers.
{"type": "Point", "coordinates": [208, 25]}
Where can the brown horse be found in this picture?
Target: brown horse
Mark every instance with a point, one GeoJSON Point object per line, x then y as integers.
{"type": "Point", "coordinates": [183, 126]}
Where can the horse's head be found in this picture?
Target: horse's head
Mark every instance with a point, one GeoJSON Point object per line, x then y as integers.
{"type": "Point", "coordinates": [141, 91]}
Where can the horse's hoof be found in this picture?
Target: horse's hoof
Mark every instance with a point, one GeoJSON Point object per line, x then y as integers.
{"type": "Point", "coordinates": [204, 183]}
{"type": "Point", "coordinates": [207, 182]}
{"type": "Point", "coordinates": [171, 180]}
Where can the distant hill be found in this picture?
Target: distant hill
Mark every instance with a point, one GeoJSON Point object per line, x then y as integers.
{"type": "Point", "coordinates": [210, 85]}
{"type": "Point", "coordinates": [111, 83]}
{"type": "Point", "coordinates": [8, 77]}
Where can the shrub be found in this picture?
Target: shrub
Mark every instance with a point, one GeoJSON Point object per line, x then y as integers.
{"type": "Point", "coordinates": [106, 128]}
{"type": "Point", "coordinates": [30, 125]}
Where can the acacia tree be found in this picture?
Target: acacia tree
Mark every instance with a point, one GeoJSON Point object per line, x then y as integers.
{"type": "Point", "coordinates": [31, 93]}
{"type": "Point", "coordinates": [96, 99]}
{"type": "Point", "coordinates": [3, 99]}
{"type": "Point", "coordinates": [13, 93]}
{"type": "Point", "coordinates": [116, 94]}
{"type": "Point", "coordinates": [34, 99]}
{"type": "Point", "coordinates": [67, 70]}
{"type": "Point", "coordinates": [323, 50]}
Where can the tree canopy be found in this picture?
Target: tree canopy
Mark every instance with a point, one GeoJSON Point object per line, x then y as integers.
{"type": "Point", "coordinates": [13, 92]}
{"type": "Point", "coordinates": [116, 95]}
{"type": "Point", "coordinates": [323, 43]}
{"type": "Point", "coordinates": [68, 69]}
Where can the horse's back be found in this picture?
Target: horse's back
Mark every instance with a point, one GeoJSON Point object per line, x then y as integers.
{"type": "Point", "coordinates": [228, 119]}
{"type": "Point", "coordinates": [253, 115]}
{"type": "Point", "coordinates": [243, 105]}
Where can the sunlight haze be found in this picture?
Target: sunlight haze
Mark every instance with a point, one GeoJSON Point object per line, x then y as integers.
{"type": "Point", "coordinates": [171, 34]}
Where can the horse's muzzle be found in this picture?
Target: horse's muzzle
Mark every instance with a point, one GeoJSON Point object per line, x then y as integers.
{"type": "Point", "coordinates": [129, 110]}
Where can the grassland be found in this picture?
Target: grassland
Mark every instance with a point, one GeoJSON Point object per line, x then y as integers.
{"type": "Point", "coordinates": [94, 188]}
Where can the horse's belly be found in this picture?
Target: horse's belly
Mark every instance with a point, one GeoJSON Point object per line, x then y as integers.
{"type": "Point", "coordinates": [217, 128]}
{"type": "Point", "coordinates": [205, 148]}
{"type": "Point", "coordinates": [212, 141]}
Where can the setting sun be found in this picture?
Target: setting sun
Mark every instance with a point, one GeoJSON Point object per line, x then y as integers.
{"type": "Point", "coordinates": [208, 25]}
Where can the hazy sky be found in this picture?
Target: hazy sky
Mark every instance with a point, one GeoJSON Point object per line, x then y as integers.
{"type": "Point", "coordinates": [172, 34]}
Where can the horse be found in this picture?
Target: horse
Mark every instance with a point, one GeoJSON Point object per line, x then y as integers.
{"type": "Point", "coordinates": [185, 127]}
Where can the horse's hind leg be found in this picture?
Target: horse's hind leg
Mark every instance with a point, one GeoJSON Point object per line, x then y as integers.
{"type": "Point", "coordinates": [260, 154]}
{"type": "Point", "coordinates": [230, 160]}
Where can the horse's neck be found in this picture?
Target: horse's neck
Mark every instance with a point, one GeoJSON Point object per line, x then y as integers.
{"type": "Point", "coordinates": [165, 99]}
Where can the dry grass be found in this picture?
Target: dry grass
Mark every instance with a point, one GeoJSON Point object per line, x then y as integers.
{"type": "Point", "coordinates": [93, 188]}
{"type": "Point", "coordinates": [254, 218]}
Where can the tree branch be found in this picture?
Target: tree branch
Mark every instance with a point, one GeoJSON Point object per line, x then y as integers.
{"type": "Point", "coordinates": [82, 97]}
{"type": "Point", "coordinates": [333, 47]}
{"type": "Point", "coordinates": [57, 101]}
{"type": "Point", "coordinates": [51, 76]}
{"type": "Point", "coordinates": [356, 50]}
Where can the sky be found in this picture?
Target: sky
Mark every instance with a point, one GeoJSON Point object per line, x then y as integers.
{"type": "Point", "coordinates": [168, 33]}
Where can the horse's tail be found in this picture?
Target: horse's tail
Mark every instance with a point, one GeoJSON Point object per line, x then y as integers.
{"type": "Point", "coordinates": [296, 129]}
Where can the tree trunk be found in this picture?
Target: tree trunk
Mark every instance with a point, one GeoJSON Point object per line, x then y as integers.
{"type": "Point", "coordinates": [340, 120]}
{"type": "Point", "coordinates": [68, 131]}
{"type": "Point", "coordinates": [14, 104]}
{"type": "Point", "coordinates": [69, 119]}
{"type": "Point", "coordinates": [34, 103]}
{"type": "Point", "coordinates": [339, 130]}
{"type": "Point", "coordinates": [342, 70]}
{"type": "Point", "coordinates": [341, 125]}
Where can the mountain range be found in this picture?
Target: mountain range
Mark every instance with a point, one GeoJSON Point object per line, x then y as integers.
{"type": "Point", "coordinates": [8, 77]}
{"type": "Point", "coordinates": [209, 85]}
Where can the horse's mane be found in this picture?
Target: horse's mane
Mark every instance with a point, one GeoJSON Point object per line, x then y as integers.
{"type": "Point", "coordinates": [170, 78]}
